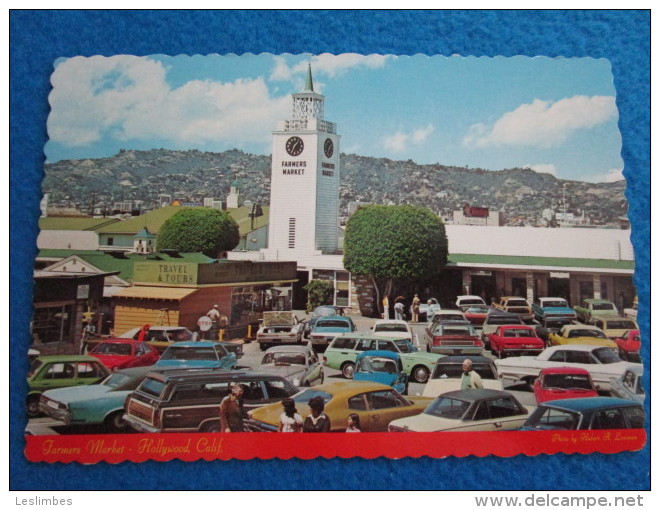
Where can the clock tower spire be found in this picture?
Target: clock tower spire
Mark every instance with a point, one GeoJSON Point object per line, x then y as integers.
{"type": "Point", "coordinates": [304, 200]}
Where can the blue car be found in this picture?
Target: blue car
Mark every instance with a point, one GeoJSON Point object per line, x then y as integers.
{"type": "Point", "coordinates": [383, 367]}
{"type": "Point", "coordinates": [327, 328]}
{"type": "Point", "coordinates": [204, 354]}
{"type": "Point", "coordinates": [592, 413]}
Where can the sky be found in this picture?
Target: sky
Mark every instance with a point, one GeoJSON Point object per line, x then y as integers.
{"type": "Point", "coordinates": [553, 115]}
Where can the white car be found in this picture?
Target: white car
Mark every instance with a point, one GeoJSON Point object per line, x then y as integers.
{"type": "Point", "coordinates": [466, 411]}
{"type": "Point", "coordinates": [601, 363]}
{"type": "Point", "coordinates": [465, 302]}
{"type": "Point", "coordinates": [393, 328]}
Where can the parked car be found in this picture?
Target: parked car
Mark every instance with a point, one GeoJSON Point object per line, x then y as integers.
{"type": "Point", "coordinates": [552, 308]}
{"type": "Point", "coordinates": [449, 370]}
{"type": "Point", "coordinates": [614, 327]}
{"type": "Point", "coordinates": [581, 334]}
{"type": "Point", "coordinates": [476, 314]}
{"type": "Point", "coordinates": [563, 382]}
{"type": "Point", "coordinates": [629, 385]}
{"type": "Point", "coordinates": [466, 411]}
{"type": "Point", "coordinates": [392, 328]}
{"type": "Point", "coordinates": [448, 315]}
{"type": "Point", "coordinates": [384, 367]}
{"type": "Point", "coordinates": [517, 305]}
{"type": "Point", "coordinates": [234, 347]}
{"type": "Point", "coordinates": [631, 313]}
{"type": "Point", "coordinates": [298, 364]}
{"type": "Point", "coordinates": [466, 301]}
{"type": "Point", "coordinates": [279, 328]}
{"type": "Point", "coordinates": [52, 372]}
{"type": "Point", "coordinates": [327, 328]}
{"type": "Point", "coordinates": [95, 404]}
{"type": "Point", "coordinates": [595, 413]}
{"type": "Point", "coordinates": [601, 363]}
{"type": "Point", "coordinates": [376, 405]}
{"type": "Point", "coordinates": [591, 308]}
{"type": "Point", "coordinates": [161, 337]}
{"type": "Point", "coordinates": [203, 354]}
{"type": "Point", "coordinates": [495, 319]}
{"type": "Point", "coordinates": [320, 311]}
{"type": "Point", "coordinates": [519, 339]}
{"type": "Point", "coordinates": [189, 400]}
{"type": "Point", "coordinates": [452, 337]}
{"type": "Point", "coordinates": [118, 353]}
{"type": "Point", "coordinates": [344, 349]}
{"type": "Point", "coordinates": [629, 345]}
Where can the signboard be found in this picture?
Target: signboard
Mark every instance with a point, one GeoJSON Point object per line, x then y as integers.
{"type": "Point", "coordinates": [230, 271]}
{"type": "Point", "coordinates": [480, 273]}
{"type": "Point", "coordinates": [204, 323]}
{"type": "Point", "coordinates": [83, 292]}
{"type": "Point", "coordinates": [560, 275]}
{"type": "Point", "coordinates": [173, 273]}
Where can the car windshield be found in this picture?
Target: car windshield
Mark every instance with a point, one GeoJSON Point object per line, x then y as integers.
{"type": "Point", "coordinates": [379, 328]}
{"type": "Point", "coordinates": [377, 364]}
{"type": "Point", "coordinates": [284, 358]}
{"type": "Point", "coordinates": [516, 302]}
{"type": "Point", "coordinates": [444, 407]}
{"type": "Point", "coordinates": [516, 332]}
{"type": "Point", "coordinates": [555, 303]}
{"type": "Point", "coordinates": [332, 324]}
{"type": "Point", "coordinates": [115, 349]}
{"type": "Point", "coordinates": [464, 302]}
{"type": "Point", "coordinates": [448, 317]}
{"type": "Point", "coordinates": [324, 311]}
{"type": "Point", "coordinates": [620, 324]}
{"type": "Point", "coordinates": [455, 371]}
{"type": "Point", "coordinates": [549, 418]}
{"type": "Point", "coordinates": [115, 380]}
{"type": "Point", "coordinates": [190, 353]}
{"type": "Point", "coordinates": [304, 396]}
{"type": "Point", "coordinates": [503, 320]}
{"type": "Point", "coordinates": [405, 346]}
{"type": "Point", "coordinates": [605, 355]}
{"type": "Point", "coordinates": [152, 387]}
{"type": "Point", "coordinates": [477, 309]}
{"type": "Point", "coordinates": [603, 306]}
{"type": "Point", "coordinates": [454, 329]}
{"type": "Point", "coordinates": [34, 367]}
{"type": "Point", "coordinates": [595, 333]}
{"type": "Point", "coordinates": [567, 381]}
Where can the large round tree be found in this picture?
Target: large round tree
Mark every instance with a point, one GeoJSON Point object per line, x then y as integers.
{"type": "Point", "coordinates": [394, 243]}
{"type": "Point", "coordinates": [199, 229]}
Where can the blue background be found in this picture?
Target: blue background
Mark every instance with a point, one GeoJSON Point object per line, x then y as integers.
{"type": "Point", "coordinates": [37, 38]}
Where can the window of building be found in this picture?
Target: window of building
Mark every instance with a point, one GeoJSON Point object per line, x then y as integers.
{"type": "Point", "coordinates": [292, 232]}
{"type": "Point", "coordinates": [111, 241]}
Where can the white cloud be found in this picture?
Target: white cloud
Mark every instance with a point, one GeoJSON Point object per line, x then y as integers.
{"type": "Point", "coordinates": [613, 175]}
{"type": "Point", "coordinates": [325, 64]}
{"type": "Point", "coordinates": [544, 168]}
{"type": "Point", "coordinates": [543, 123]}
{"type": "Point", "coordinates": [400, 141]}
{"type": "Point", "coordinates": [127, 97]}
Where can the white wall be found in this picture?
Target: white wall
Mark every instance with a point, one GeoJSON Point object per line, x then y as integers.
{"type": "Point", "coordinates": [67, 240]}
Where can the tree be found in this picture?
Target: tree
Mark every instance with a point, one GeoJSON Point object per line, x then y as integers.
{"type": "Point", "coordinates": [199, 229]}
{"type": "Point", "coordinates": [319, 292]}
{"type": "Point", "coordinates": [393, 243]}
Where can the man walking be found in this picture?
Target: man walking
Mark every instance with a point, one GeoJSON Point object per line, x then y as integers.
{"type": "Point", "coordinates": [231, 410]}
{"type": "Point", "coordinates": [214, 315]}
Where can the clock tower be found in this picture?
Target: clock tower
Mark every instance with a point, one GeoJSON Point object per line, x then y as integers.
{"type": "Point", "coordinates": [304, 196]}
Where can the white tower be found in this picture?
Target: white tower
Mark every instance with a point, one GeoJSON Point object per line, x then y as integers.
{"type": "Point", "coordinates": [304, 198]}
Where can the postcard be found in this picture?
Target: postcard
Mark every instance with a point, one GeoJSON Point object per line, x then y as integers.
{"type": "Point", "coordinates": [233, 248]}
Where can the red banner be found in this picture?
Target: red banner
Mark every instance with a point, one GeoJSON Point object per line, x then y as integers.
{"type": "Point", "coordinates": [90, 449]}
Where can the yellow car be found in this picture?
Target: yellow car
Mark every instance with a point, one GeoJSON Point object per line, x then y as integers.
{"type": "Point", "coordinates": [615, 326]}
{"type": "Point", "coordinates": [581, 334]}
{"type": "Point", "coordinates": [376, 405]}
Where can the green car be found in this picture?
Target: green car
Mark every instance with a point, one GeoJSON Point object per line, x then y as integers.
{"type": "Point", "coordinates": [51, 372]}
{"type": "Point", "coordinates": [344, 349]}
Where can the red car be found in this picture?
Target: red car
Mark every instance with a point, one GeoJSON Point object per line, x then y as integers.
{"type": "Point", "coordinates": [564, 382]}
{"type": "Point", "coordinates": [119, 353]}
{"type": "Point", "coordinates": [515, 339]}
{"type": "Point", "coordinates": [476, 314]}
{"type": "Point", "coordinates": [629, 346]}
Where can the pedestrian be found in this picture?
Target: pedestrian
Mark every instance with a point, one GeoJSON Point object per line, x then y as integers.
{"type": "Point", "coordinates": [431, 309]}
{"type": "Point", "coordinates": [214, 315]}
{"type": "Point", "coordinates": [353, 423]}
{"type": "Point", "coordinates": [317, 421]}
{"type": "Point", "coordinates": [231, 410]}
{"type": "Point", "coordinates": [415, 309]}
{"type": "Point", "coordinates": [290, 420]}
{"type": "Point", "coordinates": [399, 308]}
{"type": "Point", "coordinates": [196, 334]}
{"type": "Point", "coordinates": [143, 335]}
{"type": "Point", "coordinates": [470, 380]}
{"type": "Point", "coordinates": [386, 307]}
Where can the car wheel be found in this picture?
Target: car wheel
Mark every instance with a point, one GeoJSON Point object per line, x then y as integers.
{"type": "Point", "coordinates": [263, 347]}
{"type": "Point", "coordinates": [210, 428]}
{"type": "Point", "coordinates": [32, 406]}
{"type": "Point", "coordinates": [529, 380]}
{"type": "Point", "coordinates": [115, 423]}
{"type": "Point", "coordinates": [421, 374]}
{"type": "Point", "coordinates": [348, 370]}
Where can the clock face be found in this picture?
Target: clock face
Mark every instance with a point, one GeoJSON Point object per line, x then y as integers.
{"type": "Point", "coordinates": [328, 148]}
{"type": "Point", "coordinates": [294, 146]}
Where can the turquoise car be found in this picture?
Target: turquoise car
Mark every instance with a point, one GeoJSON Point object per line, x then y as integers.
{"type": "Point", "coordinates": [96, 404]}
{"type": "Point", "coordinates": [383, 367]}
{"type": "Point", "coordinates": [326, 328]}
{"type": "Point", "coordinates": [342, 353]}
{"type": "Point", "coordinates": [204, 354]}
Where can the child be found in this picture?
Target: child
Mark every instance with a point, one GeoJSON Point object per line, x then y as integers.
{"type": "Point", "coordinates": [353, 423]}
